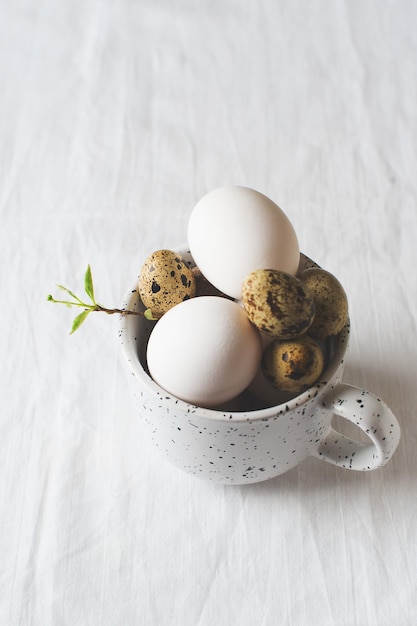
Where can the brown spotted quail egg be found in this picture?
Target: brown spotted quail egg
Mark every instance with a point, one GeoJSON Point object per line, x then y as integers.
{"type": "Point", "coordinates": [165, 280]}
{"type": "Point", "coordinates": [330, 301]}
{"type": "Point", "coordinates": [277, 303]}
{"type": "Point", "coordinates": [294, 365]}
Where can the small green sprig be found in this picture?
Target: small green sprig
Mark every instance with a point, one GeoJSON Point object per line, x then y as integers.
{"type": "Point", "coordinates": [89, 307]}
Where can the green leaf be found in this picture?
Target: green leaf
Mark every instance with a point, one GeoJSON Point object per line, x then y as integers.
{"type": "Point", "coordinates": [149, 315]}
{"type": "Point", "coordinates": [70, 293]}
{"type": "Point", "coordinates": [79, 320]}
{"type": "Point", "coordinates": [88, 284]}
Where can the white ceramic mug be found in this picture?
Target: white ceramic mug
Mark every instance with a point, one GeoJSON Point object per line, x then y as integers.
{"type": "Point", "coordinates": [240, 447]}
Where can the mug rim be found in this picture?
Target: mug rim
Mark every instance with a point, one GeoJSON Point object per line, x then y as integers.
{"type": "Point", "coordinates": [129, 345]}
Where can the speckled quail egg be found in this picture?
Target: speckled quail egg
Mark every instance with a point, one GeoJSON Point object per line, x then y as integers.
{"type": "Point", "coordinates": [277, 303]}
{"type": "Point", "coordinates": [294, 365]}
{"type": "Point", "coordinates": [330, 301]}
{"type": "Point", "coordinates": [165, 280]}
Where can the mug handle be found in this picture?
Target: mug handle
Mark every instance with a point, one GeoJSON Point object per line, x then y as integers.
{"type": "Point", "coordinates": [372, 416]}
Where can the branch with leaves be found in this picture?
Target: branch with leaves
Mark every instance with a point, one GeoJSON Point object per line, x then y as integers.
{"type": "Point", "coordinates": [92, 306]}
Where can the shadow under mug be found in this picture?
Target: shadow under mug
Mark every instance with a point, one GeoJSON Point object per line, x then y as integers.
{"type": "Point", "coordinates": [242, 447]}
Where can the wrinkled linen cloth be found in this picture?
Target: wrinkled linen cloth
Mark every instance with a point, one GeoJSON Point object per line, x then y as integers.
{"type": "Point", "coordinates": [115, 119]}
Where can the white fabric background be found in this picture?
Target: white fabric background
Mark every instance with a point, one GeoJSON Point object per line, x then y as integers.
{"type": "Point", "coordinates": [115, 118]}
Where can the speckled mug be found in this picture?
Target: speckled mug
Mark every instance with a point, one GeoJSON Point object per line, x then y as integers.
{"type": "Point", "coordinates": [252, 446]}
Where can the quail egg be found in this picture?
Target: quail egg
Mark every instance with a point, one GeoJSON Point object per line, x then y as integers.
{"type": "Point", "coordinates": [330, 301]}
{"type": "Point", "coordinates": [294, 365]}
{"type": "Point", "coordinates": [165, 280]}
{"type": "Point", "coordinates": [277, 303]}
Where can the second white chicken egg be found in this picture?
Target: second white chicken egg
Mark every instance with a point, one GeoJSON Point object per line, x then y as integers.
{"type": "Point", "coordinates": [204, 351]}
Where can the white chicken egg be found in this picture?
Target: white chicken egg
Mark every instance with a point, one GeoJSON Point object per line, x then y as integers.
{"type": "Point", "coordinates": [233, 231]}
{"type": "Point", "coordinates": [204, 351]}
